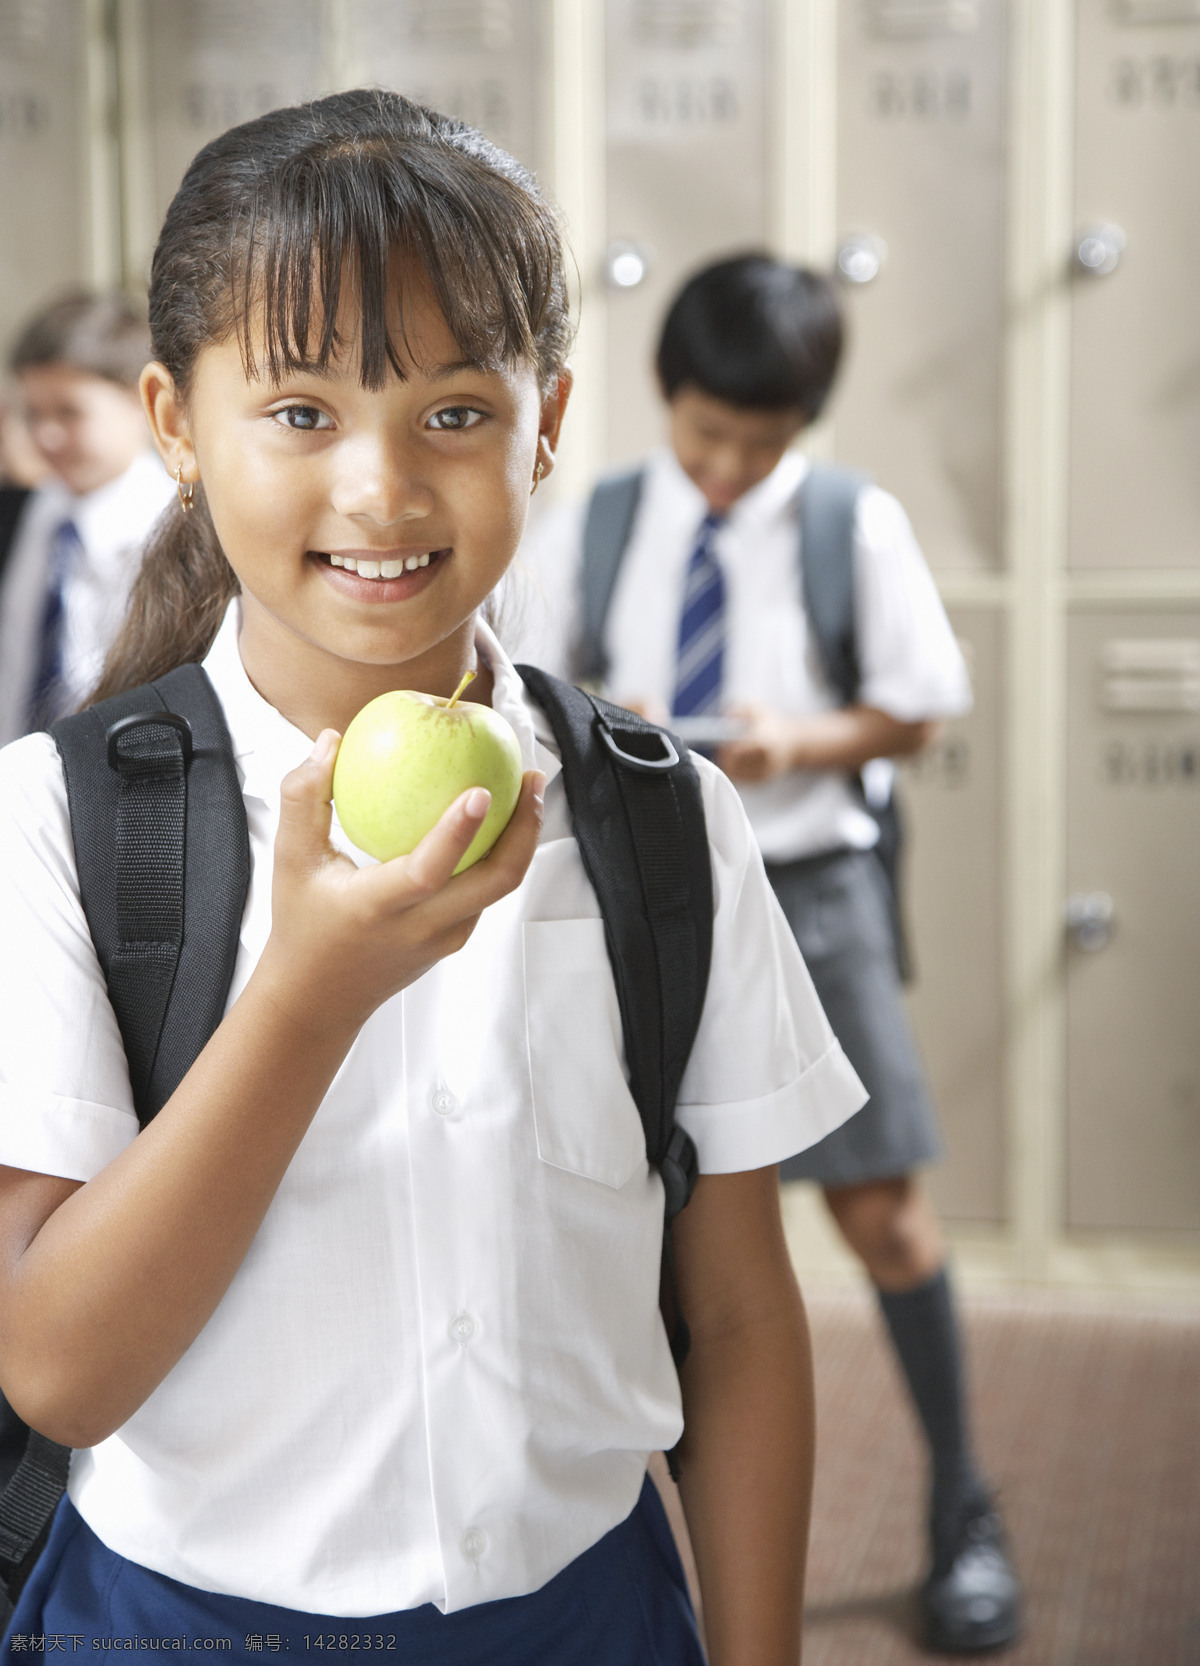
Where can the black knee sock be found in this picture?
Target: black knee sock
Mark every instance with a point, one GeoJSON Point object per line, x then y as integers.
{"type": "Point", "coordinates": [925, 1334]}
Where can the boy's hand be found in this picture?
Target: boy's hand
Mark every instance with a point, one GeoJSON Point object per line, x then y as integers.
{"type": "Point", "coordinates": [344, 939]}
{"type": "Point", "coordinates": [771, 746]}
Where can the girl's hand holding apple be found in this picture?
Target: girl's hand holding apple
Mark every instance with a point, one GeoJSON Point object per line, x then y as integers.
{"type": "Point", "coordinates": [345, 939]}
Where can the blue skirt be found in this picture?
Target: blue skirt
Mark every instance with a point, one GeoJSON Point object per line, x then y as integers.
{"type": "Point", "coordinates": [623, 1600]}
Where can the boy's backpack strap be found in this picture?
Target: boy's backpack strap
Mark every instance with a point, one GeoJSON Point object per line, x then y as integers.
{"type": "Point", "coordinates": [828, 501]}
{"type": "Point", "coordinates": [607, 525]}
{"type": "Point", "coordinates": [638, 817]}
{"type": "Point", "coordinates": [163, 856]}
{"type": "Point", "coordinates": [12, 501]}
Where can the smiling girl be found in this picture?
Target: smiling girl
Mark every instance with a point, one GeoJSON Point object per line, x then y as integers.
{"type": "Point", "coordinates": [359, 1339]}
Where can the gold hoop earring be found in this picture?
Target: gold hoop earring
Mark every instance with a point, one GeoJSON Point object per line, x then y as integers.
{"type": "Point", "coordinates": [539, 470]}
{"type": "Point", "coordinates": [186, 497]}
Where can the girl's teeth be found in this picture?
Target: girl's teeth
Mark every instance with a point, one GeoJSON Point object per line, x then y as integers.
{"type": "Point", "coordinates": [391, 569]}
{"type": "Point", "coordinates": [422, 561]}
{"type": "Point", "coordinates": [411, 563]}
{"type": "Point", "coordinates": [337, 560]}
{"type": "Point", "coordinates": [379, 569]}
{"type": "Point", "coordinates": [368, 569]}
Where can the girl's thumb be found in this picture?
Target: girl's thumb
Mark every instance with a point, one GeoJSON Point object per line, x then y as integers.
{"type": "Point", "coordinates": [305, 799]}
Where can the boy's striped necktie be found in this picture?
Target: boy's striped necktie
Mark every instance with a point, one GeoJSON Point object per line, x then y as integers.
{"type": "Point", "coordinates": [48, 695]}
{"type": "Point", "coordinates": [701, 660]}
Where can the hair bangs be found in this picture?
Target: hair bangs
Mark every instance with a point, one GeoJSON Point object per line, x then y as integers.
{"type": "Point", "coordinates": [336, 239]}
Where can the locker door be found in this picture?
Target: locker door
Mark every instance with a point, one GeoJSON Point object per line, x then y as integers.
{"type": "Point", "coordinates": [477, 59]}
{"type": "Point", "coordinates": [686, 145]}
{"type": "Point", "coordinates": [43, 155]}
{"type": "Point", "coordinates": [951, 799]}
{"type": "Point", "coordinates": [921, 213]}
{"type": "Point", "coordinates": [204, 66]}
{"type": "Point", "coordinates": [1135, 383]}
{"type": "Point", "coordinates": [1133, 831]}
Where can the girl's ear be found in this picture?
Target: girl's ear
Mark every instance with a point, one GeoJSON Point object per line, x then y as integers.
{"type": "Point", "coordinates": [167, 415]}
{"type": "Point", "coordinates": [554, 407]}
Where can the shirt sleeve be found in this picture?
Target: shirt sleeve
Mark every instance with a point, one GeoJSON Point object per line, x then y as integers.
{"type": "Point", "coordinates": [912, 667]}
{"type": "Point", "coordinates": [767, 1077]}
{"type": "Point", "coordinates": [542, 622]}
{"type": "Point", "coordinates": [65, 1101]}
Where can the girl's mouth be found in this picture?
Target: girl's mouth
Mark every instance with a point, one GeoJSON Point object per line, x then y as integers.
{"type": "Point", "coordinates": [382, 578]}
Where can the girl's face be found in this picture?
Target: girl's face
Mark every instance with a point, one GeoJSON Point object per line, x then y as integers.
{"type": "Point", "coordinates": [366, 526]}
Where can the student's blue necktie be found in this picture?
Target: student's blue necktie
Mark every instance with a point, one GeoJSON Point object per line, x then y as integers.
{"type": "Point", "coordinates": [701, 659]}
{"type": "Point", "coordinates": [46, 699]}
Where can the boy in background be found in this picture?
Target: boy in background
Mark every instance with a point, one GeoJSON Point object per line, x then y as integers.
{"type": "Point", "coordinates": [70, 548]}
{"type": "Point", "coordinates": [706, 620]}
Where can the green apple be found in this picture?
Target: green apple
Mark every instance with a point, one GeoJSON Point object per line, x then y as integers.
{"type": "Point", "coordinates": [404, 760]}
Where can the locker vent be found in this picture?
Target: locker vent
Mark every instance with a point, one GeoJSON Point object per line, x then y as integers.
{"type": "Point", "coordinates": [916, 19]}
{"type": "Point", "coordinates": [24, 27]}
{"type": "Point", "coordinates": [1147, 674]}
{"type": "Point", "coordinates": [684, 23]}
{"type": "Point", "coordinates": [1157, 11]}
{"type": "Point", "coordinates": [455, 25]}
{"type": "Point", "coordinates": [230, 26]}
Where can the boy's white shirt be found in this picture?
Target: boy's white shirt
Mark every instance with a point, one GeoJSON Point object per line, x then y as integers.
{"type": "Point", "coordinates": [438, 1373]}
{"type": "Point", "coordinates": [113, 523]}
{"type": "Point", "coordinates": [911, 664]}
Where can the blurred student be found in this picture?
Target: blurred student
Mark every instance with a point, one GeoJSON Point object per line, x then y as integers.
{"type": "Point", "coordinates": [682, 587]}
{"type": "Point", "coordinates": [70, 547]}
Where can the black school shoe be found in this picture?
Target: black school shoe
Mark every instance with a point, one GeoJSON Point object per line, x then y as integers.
{"type": "Point", "coordinates": [972, 1598]}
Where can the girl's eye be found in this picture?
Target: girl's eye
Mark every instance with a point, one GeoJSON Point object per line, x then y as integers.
{"type": "Point", "coordinates": [302, 417]}
{"type": "Point", "coordinates": [455, 417]}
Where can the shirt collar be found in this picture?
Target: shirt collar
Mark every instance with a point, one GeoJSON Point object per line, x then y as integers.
{"type": "Point", "coordinates": [267, 746]}
{"type": "Point", "coordinates": [114, 516]}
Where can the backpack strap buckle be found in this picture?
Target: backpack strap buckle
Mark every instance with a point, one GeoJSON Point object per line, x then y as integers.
{"type": "Point", "coordinates": [655, 753]}
{"type": "Point", "coordinates": [679, 1169]}
{"type": "Point", "coordinates": [117, 731]}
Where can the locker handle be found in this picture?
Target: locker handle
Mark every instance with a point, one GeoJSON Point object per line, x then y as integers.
{"type": "Point", "coordinates": [1090, 919]}
{"type": "Point", "coordinates": [861, 257]}
{"type": "Point", "coordinates": [1098, 250]}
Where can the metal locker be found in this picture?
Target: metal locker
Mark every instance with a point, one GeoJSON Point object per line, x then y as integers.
{"type": "Point", "coordinates": [921, 217]}
{"type": "Point", "coordinates": [951, 797]}
{"type": "Point", "coordinates": [1135, 376]}
{"type": "Point", "coordinates": [44, 180]}
{"type": "Point", "coordinates": [1132, 921]}
{"type": "Point", "coordinates": [687, 169]}
{"type": "Point", "coordinates": [476, 59]}
{"type": "Point", "coordinates": [201, 66]}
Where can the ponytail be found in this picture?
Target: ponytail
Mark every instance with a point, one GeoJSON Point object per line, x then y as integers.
{"type": "Point", "coordinates": [178, 601]}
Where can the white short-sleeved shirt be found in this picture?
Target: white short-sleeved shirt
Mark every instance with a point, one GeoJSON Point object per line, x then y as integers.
{"type": "Point", "coordinates": [113, 523]}
{"type": "Point", "coordinates": [911, 664]}
{"type": "Point", "coordinates": [438, 1372]}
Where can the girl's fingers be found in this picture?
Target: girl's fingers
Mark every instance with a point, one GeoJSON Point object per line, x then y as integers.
{"type": "Point", "coordinates": [306, 805]}
{"type": "Point", "coordinates": [434, 860]}
{"type": "Point", "coordinates": [426, 874]}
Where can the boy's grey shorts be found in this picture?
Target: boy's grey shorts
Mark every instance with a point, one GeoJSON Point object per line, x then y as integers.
{"type": "Point", "coordinates": [838, 907]}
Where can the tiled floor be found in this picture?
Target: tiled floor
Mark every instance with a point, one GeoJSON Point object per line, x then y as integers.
{"type": "Point", "coordinates": [1088, 1418]}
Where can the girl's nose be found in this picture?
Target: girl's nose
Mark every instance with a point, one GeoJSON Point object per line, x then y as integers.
{"type": "Point", "coordinates": [377, 484]}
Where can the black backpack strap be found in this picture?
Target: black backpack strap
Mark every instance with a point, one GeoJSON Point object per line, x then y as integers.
{"type": "Point", "coordinates": [163, 855]}
{"type": "Point", "coordinates": [12, 502]}
{"type": "Point", "coordinates": [609, 521]}
{"type": "Point", "coordinates": [638, 818]}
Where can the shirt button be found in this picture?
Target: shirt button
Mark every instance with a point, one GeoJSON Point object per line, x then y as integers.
{"type": "Point", "coordinates": [444, 1102]}
{"type": "Point", "coordinates": [462, 1328]}
{"type": "Point", "coordinates": [474, 1543]}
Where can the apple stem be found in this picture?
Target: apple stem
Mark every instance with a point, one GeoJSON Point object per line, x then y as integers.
{"type": "Point", "coordinates": [453, 700]}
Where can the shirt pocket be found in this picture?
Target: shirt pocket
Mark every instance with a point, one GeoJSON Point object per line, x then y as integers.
{"type": "Point", "coordinates": [584, 1114]}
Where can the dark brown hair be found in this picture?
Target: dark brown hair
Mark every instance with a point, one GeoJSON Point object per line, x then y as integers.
{"type": "Point", "coordinates": [101, 334]}
{"type": "Point", "coordinates": [271, 221]}
{"type": "Point", "coordinates": [756, 333]}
